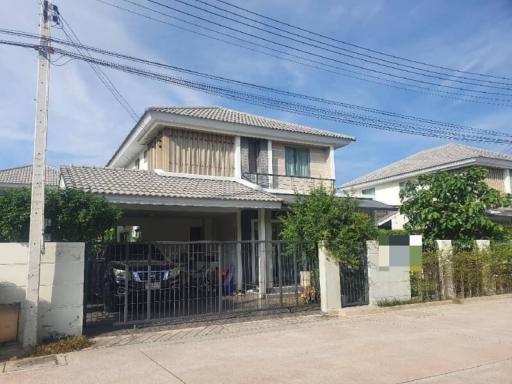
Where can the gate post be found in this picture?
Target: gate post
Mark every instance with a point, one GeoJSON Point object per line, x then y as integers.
{"type": "Point", "coordinates": [262, 253]}
{"type": "Point", "coordinates": [330, 288]}
{"type": "Point", "coordinates": [446, 269]}
{"type": "Point", "coordinates": [372, 254]}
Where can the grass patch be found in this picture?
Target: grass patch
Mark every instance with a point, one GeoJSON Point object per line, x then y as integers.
{"type": "Point", "coordinates": [65, 345]}
{"type": "Point", "coordinates": [395, 302]}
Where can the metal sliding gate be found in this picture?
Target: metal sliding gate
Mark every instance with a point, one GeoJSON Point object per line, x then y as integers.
{"type": "Point", "coordinates": [354, 283]}
{"type": "Point", "coordinates": [131, 283]}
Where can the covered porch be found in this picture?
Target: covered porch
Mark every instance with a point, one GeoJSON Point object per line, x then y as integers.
{"type": "Point", "coordinates": [243, 240]}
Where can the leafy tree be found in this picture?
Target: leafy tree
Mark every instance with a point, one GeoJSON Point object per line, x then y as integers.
{"type": "Point", "coordinates": [15, 215]}
{"type": "Point", "coordinates": [452, 206]}
{"type": "Point", "coordinates": [323, 216]}
{"type": "Point", "coordinates": [73, 215]}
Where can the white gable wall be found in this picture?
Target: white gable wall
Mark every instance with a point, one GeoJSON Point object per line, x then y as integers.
{"type": "Point", "coordinates": [388, 193]}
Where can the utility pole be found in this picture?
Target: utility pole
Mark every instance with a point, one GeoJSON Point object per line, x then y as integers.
{"type": "Point", "coordinates": [36, 234]}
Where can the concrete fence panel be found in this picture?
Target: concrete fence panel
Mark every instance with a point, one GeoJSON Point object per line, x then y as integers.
{"type": "Point", "coordinates": [61, 285]}
{"type": "Point", "coordinates": [390, 261]}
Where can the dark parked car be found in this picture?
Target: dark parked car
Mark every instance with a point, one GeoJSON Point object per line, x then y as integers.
{"type": "Point", "coordinates": [130, 273]}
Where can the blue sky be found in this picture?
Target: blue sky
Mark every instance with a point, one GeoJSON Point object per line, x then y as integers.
{"type": "Point", "coordinates": [86, 124]}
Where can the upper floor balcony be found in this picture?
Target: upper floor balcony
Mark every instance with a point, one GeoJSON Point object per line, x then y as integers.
{"type": "Point", "coordinates": [286, 183]}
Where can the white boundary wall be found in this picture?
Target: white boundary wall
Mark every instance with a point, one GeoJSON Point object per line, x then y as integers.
{"type": "Point", "coordinates": [61, 285]}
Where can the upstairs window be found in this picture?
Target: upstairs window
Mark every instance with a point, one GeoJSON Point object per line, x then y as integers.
{"type": "Point", "coordinates": [368, 192]}
{"type": "Point", "coordinates": [297, 161]}
{"type": "Point", "coordinates": [137, 163]}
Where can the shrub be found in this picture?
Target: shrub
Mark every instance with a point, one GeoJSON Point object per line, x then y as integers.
{"type": "Point", "coordinates": [73, 215]}
{"type": "Point", "coordinates": [474, 272]}
{"type": "Point", "coordinates": [64, 345]}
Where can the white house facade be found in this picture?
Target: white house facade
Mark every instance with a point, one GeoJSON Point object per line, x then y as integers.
{"type": "Point", "coordinates": [384, 184]}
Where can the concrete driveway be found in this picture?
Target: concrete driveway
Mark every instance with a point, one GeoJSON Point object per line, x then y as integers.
{"type": "Point", "coordinates": [451, 343]}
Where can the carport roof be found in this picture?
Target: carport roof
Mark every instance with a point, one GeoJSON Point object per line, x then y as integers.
{"type": "Point", "coordinates": [22, 176]}
{"type": "Point", "coordinates": [140, 183]}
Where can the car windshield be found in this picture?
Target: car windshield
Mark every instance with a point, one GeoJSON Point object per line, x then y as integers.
{"type": "Point", "coordinates": [133, 252]}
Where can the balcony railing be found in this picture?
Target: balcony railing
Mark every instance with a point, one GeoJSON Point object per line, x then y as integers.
{"type": "Point", "coordinates": [288, 183]}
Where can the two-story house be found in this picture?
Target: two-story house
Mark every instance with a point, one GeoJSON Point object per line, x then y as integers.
{"type": "Point", "coordinates": [384, 184]}
{"type": "Point", "coordinates": [209, 173]}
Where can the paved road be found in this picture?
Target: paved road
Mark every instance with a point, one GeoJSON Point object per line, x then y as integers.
{"type": "Point", "coordinates": [456, 343]}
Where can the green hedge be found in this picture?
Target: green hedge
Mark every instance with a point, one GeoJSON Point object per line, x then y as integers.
{"type": "Point", "coordinates": [475, 273]}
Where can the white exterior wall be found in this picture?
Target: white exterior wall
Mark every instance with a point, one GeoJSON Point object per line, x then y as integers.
{"type": "Point", "coordinates": [143, 164]}
{"type": "Point", "coordinates": [507, 177]}
{"type": "Point", "coordinates": [388, 193]}
{"type": "Point", "coordinates": [61, 285]}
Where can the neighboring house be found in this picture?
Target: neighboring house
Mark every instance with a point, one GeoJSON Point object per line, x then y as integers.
{"type": "Point", "coordinates": [384, 184]}
{"type": "Point", "coordinates": [19, 177]}
{"type": "Point", "coordinates": [209, 173]}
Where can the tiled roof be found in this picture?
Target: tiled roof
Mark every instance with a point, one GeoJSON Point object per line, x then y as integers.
{"type": "Point", "coordinates": [133, 182]}
{"type": "Point", "coordinates": [231, 116]}
{"type": "Point", "coordinates": [23, 176]}
{"type": "Point", "coordinates": [430, 158]}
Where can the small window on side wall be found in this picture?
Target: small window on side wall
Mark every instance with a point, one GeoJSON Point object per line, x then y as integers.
{"type": "Point", "coordinates": [137, 163]}
{"type": "Point", "coordinates": [297, 161]}
{"type": "Point", "coordinates": [368, 192]}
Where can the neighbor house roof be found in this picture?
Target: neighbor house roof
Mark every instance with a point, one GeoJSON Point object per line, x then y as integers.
{"type": "Point", "coordinates": [140, 183]}
{"type": "Point", "coordinates": [22, 176]}
{"type": "Point", "coordinates": [228, 122]}
{"type": "Point", "coordinates": [445, 156]}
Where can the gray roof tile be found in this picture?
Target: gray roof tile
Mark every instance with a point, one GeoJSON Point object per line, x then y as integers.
{"type": "Point", "coordinates": [424, 160]}
{"type": "Point", "coordinates": [231, 116]}
{"type": "Point", "coordinates": [22, 176]}
{"type": "Point", "coordinates": [118, 181]}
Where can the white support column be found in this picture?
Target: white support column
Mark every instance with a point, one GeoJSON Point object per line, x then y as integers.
{"type": "Point", "coordinates": [332, 163]}
{"type": "Point", "coordinates": [483, 245]}
{"type": "Point", "coordinates": [330, 288]}
{"type": "Point", "coordinates": [269, 249]}
{"type": "Point", "coordinates": [238, 158]}
{"type": "Point", "coordinates": [507, 180]}
{"type": "Point", "coordinates": [489, 284]}
{"type": "Point", "coordinates": [262, 252]}
{"type": "Point", "coordinates": [239, 265]}
{"type": "Point", "coordinates": [445, 268]}
{"type": "Point", "coordinates": [269, 165]}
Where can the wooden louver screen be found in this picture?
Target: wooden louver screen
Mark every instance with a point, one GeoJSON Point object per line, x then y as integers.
{"type": "Point", "coordinates": [201, 153]}
{"type": "Point", "coordinates": [496, 179]}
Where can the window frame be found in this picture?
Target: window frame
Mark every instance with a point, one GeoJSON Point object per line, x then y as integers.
{"type": "Point", "coordinates": [292, 152]}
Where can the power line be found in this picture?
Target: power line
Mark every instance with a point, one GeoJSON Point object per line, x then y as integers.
{"type": "Point", "coordinates": [100, 74]}
{"type": "Point", "coordinates": [485, 92]}
{"type": "Point", "coordinates": [424, 123]}
{"type": "Point", "coordinates": [364, 57]}
{"type": "Point", "coordinates": [359, 46]}
{"type": "Point", "coordinates": [298, 108]}
{"type": "Point", "coordinates": [311, 62]}
{"type": "Point", "coordinates": [271, 89]}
